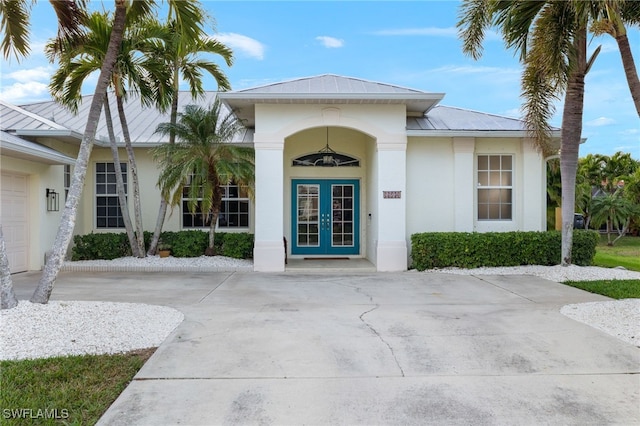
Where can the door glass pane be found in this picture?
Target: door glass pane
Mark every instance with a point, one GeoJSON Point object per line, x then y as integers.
{"type": "Point", "coordinates": [342, 215]}
{"type": "Point", "coordinates": [308, 203]}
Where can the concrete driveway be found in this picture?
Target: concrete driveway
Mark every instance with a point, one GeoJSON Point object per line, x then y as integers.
{"type": "Point", "coordinates": [406, 348]}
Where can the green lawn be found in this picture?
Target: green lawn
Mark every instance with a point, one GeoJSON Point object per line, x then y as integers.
{"type": "Point", "coordinates": [74, 390]}
{"type": "Point", "coordinates": [616, 289]}
{"type": "Point", "coordinates": [625, 253]}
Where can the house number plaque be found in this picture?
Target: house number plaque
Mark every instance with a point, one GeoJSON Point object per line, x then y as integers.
{"type": "Point", "coordinates": [391, 194]}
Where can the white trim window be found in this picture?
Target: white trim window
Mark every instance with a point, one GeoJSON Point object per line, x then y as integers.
{"type": "Point", "coordinates": [108, 213]}
{"type": "Point", "coordinates": [234, 212]}
{"type": "Point", "coordinates": [495, 187]}
{"type": "Point", "coordinates": [67, 180]}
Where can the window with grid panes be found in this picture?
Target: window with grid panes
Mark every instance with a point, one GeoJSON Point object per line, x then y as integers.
{"type": "Point", "coordinates": [234, 212]}
{"type": "Point", "coordinates": [67, 181]}
{"type": "Point", "coordinates": [108, 213]}
{"type": "Point", "coordinates": [495, 187]}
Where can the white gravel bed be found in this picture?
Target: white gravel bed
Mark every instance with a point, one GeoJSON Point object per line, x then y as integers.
{"type": "Point", "coordinates": [619, 318]}
{"type": "Point", "coordinates": [162, 264]}
{"type": "Point", "coordinates": [33, 330]}
{"type": "Point", "coordinates": [556, 273]}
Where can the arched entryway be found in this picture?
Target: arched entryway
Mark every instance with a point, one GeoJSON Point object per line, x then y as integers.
{"type": "Point", "coordinates": [326, 179]}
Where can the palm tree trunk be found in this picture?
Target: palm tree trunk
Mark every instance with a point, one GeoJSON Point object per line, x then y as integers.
{"type": "Point", "coordinates": [122, 198]}
{"type": "Point", "coordinates": [8, 298]}
{"type": "Point", "coordinates": [68, 221]}
{"type": "Point", "coordinates": [570, 142]}
{"type": "Point", "coordinates": [211, 250]}
{"type": "Point", "coordinates": [629, 69]}
{"type": "Point", "coordinates": [135, 183]}
{"type": "Point", "coordinates": [162, 211]}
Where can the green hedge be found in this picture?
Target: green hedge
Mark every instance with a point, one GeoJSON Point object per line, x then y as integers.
{"type": "Point", "coordinates": [472, 250]}
{"type": "Point", "coordinates": [183, 244]}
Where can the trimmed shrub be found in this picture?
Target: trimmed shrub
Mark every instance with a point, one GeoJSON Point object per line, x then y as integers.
{"type": "Point", "coordinates": [191, 243]}
{"type": "Point", "coordinates": [472, 250]}
{"type": "Point", "coordinates": [239, 246]}
{"type": "Point", "coordinates": [584, 247]}
{"type": "Point", "coordinates": [100, 246]}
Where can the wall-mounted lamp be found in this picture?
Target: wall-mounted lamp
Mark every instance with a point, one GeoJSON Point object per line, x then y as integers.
{"type": "Point", "coordinates": [53, 204]}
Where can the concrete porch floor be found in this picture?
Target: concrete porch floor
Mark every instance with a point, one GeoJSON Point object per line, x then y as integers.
{"type": "Point", "coordinates": [329, 265]}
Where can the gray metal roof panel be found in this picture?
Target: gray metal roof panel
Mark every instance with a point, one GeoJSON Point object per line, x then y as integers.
{"type": "Point", "coordinates": [13, 117]}
{"type": "Point", "coordinates": [142, 121]}
{"type": "Point", "coordinates": [329, 84]}
{"type": "Point", "coordinates": [450, 118]}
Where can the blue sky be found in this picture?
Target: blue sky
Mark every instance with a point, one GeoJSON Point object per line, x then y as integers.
{"type": "Point", "coordinates": [412, 44]}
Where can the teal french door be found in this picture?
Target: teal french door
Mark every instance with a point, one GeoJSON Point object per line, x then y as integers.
{"type": "Point", "coordinates": [325, 216]}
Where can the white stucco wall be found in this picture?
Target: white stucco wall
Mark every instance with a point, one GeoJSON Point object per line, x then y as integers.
{"type": "Point", "coordinates": [149, 195]}
{"type": "Point", "coordinates": [432, 176]}
{"type": "Point", "coordinates": [43, 225]}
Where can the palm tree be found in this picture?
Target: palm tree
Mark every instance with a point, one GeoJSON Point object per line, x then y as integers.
{"type": "Point", "coordinates": [80, 57]}
{"type": "Point", "coordinates": [203, 160]}
{"type": "Point", "coordinates": [551, 38]}
{"type": "Point", "coordinates": [614, 210]}
{"type": "Point", "coordinates": [617, 169]}
{"type": "Point", "coordinates": [614, 15]}
{"type": "Point", "coordinates": [15, 40]}
{"type": "Point", "coordinates": [14, 24]}
{"type": "Point", "coordinates": [182, 58]}
{"type": "Point", "coordinates": [8, 298]}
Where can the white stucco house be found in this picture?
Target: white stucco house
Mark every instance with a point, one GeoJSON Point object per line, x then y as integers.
{"type": "Point", "coordinates": [344, 168]}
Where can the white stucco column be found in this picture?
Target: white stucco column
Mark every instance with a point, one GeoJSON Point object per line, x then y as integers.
{"type": "Point", "coordinates": [391, 249]}
{"type": "Point", "coordinates": [463, 150]}
{"type": "Point", "coordinates": [268, 251]}
{"type": "Point", "coordinates": [534, 198]}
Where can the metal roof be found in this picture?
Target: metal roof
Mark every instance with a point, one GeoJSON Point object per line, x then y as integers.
{"type": "Point", "coordinates": [13, 146]}
{"type": "Point", "coordinates": [13, 117]}
{"type": "Point", "coordinates": [328, 89]}
{"type": "Point", "coordinates": [444, 120]}
{"type": "Point", "coordinates": [50, 119]}
{"type": "Point", "coordinates": [329, 84]}
{"type": "Point", "coordinates": [142, 121]}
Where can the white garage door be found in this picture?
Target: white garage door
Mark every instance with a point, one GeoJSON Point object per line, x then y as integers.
{"type": "Point", "coordinates": [13, 216]}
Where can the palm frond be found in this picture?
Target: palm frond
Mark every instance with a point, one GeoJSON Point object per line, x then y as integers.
{"type": "Point", "coordinates": [14, 24]}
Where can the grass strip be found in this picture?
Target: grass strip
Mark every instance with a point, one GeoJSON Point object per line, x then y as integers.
{"type": "Point", "coordinates": [616, 289]}
{"type": "Point", "coordinates": [73, 390]}
{"type": "Point", "coordinates": [608, 260]}
{"type": "Point", "coordinates": [625, 253]}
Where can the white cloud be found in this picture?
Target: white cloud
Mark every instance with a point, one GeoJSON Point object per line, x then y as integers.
{"type": "Point", "coordinates": [630, 132]}
{"type": "Point", "coordinates": [30, 75]}
{"type": "Point", "coordinates": [600, 121]}
{"type": "Point", "coordinates": [330, 42]}
{"type": "Point", "coordinates": [25, 92]}
{"type": "Point", "coordinates": [247, 45]}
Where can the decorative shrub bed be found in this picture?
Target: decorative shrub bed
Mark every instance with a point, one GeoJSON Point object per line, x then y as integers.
{"type": "Point", "coordinates": [183, 244]}
{"type": "Point", "coordinates": [472, 250]}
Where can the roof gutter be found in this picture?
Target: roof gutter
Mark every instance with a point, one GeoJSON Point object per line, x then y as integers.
{"type": "Point", "coordinates": [49, 155]}
{"type": "Point", "coordinates": [476, 133]}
